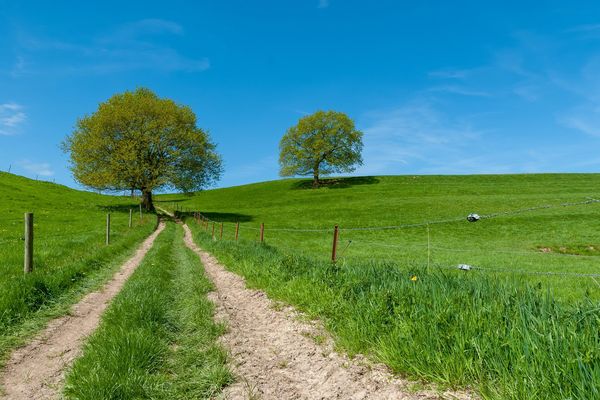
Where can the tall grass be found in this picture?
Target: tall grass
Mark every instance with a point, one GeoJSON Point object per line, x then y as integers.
{"type": "Point", "coordinates": [506, 338]}
{"type": "Point", "coordinates": [157, 339]}
{"type": "Point", "coordinates": [568, 236]}
{"type": "Point", "coordinates": [69, 250]}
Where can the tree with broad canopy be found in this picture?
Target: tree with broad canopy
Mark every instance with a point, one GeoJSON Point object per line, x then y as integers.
{"type": "Point", "coordinates": [323, 143]}
{"type": "Point", "coordinates": [138, 141]}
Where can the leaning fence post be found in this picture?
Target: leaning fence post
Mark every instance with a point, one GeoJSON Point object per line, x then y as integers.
{"type": "Point", "coordinates": [108, 228]}
{"type": "Point", "coordinates": [335, 242]}
{"type": "Point", "coordinates": [221, 234]}
{"type": "Point", "coordinates": [262, 232]}
{"type": "Point", "coordinates": [28, 262]}
{"type": "Point", "coordinates": [130, 217]}
{"type": "Point", "coordinates": [237, 231]}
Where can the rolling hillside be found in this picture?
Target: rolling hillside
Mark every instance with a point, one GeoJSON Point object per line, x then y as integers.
{"type": "Point", "coordinates": [70, 255]}
{"type": "Point", "coordinates": [532, 224]}
{"type": "Point", "coordinates": [519, 322]}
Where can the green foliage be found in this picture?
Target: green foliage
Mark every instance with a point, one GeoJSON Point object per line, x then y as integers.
{"type": "Point", "coordinates": [498, 335]}
{"type": "Point", "coordinates": [157, 339]}
{"type": "Point", "coordinates": [136, 140]}
{"type": "Point", "coordinates": [323, 143]}
{"type": "Point", "coordinates": [69, 249]}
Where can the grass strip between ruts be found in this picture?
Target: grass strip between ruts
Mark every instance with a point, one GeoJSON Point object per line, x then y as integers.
{"type": "Point", "coordinates": [31, 301]}
{"type": "Point", "coordinates": [157, 339]}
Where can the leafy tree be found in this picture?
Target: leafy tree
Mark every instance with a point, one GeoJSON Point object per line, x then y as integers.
{"type": "Point", "coordinates": [323, 143]}
{"type": "Point", "coordinates": [136, 140]}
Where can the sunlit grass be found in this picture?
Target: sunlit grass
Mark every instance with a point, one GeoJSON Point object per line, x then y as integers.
{"type": "Point", "coordinates": [557, 240]}
{"type": "Point", "coordinates": [520, 325]}
{"type": "Point", "coordinates": [157, 339]}
{"type": "Point", "coordinates": [69, 247]}
{"type": "Point", "coordinates": [500, 335]}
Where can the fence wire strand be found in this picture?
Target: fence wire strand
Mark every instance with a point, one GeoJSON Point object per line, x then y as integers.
{"type": "Point", "coordinates": [588, 201]}
{"type": "Point", "coordinates": [418, 224]}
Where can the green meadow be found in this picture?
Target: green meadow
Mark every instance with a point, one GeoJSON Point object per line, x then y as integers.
{"type": "Point", "coordinates": [157, 339]}
{"type": "Point", "coordinates": [537, 245]}
{"type": "Point", "coordinates": [523, 324]}
{"type": "Point", "coordinates": [70, 254]}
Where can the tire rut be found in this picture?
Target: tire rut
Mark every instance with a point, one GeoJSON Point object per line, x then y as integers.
{"type": "Point", "coordinates": [37, 370]}
{"type": "Point", "coordinates": [276, 355]}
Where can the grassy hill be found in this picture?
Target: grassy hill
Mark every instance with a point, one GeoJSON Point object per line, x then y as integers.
{"type": "Point", "coordinates": [523, 325]}
{"type": "Point", "coordinates": [559, 239]}
{"type": "Point", "coordinates": [70, 254]}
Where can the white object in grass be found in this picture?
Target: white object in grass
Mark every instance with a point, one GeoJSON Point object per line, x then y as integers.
{"type": "Point", "coordinates": [473, 217]}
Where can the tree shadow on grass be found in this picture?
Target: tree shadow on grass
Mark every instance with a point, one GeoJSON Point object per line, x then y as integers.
{"type": "Point", "coordinates": [162, 201]}
{"type": "Point", "coordinates": [124, 208]}
{"type": "Point", "coordinates": [222, 217]}
{"type": "Point", "coordinates": [337, 183]}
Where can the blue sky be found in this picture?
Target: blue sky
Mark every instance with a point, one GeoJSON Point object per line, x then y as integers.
{"type": "Point", "coordinates": [437, 87]}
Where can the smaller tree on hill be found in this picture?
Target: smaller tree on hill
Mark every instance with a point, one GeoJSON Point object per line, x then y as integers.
{"type": "Point", "coordinates": [320, 144]}
{"type": "Point", "coordinates": [136, 140]}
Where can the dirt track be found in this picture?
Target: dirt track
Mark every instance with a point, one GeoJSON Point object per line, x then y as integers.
{"type": "Point", "coordinates": [37, 370]}
{"type": "Point", "coordinates": [275, 354]}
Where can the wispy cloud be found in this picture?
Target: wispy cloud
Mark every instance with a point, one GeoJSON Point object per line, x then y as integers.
{"type": "Point", "coordinates": [461, 90]}
{"type": "Point", "coordinates": [323, 4]}
{"type": "Point", "coordinates": [584, 28]}
{"type": "Point", "coordinates": [527, 92]}
{"type": "Point", "coordinates": [264, 168]}
{"type": "Point", "coordinates": [11, 117]}
{"type": "Point", "coordinates": [36, 168]}
{"type": "Point", "coordinates": [138, 45]}
{"type": "Point", "coordinates": [450, 73]}
{"type": "Point", "coordinates": [414, 135]}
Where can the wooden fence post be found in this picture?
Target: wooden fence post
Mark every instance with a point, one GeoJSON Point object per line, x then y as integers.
{"type": "Point", "coordinates": [262, 232]}
{"type": "Point", "coordinates": [237, 231]}
{"type": "Point", "coordinates": [107, 229]}
{"type": "Point", "coordinates": [335, 242]}
{"type": "Point", "coordinates": [28, 264]}
{"type": "Point", "coordinates": [130, 217]}
{"type": "Point", "coordinates": [141, 217]}
{"type": "Point", "coordinates": [213, 231]}
{"type": "Point", "coordinates": [221, 235]}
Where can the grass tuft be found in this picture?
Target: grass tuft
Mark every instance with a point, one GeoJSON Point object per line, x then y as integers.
{"type": "Point", "coordinates": [506, 338]}
{"type": "Point", "coordinates": [157, 339]}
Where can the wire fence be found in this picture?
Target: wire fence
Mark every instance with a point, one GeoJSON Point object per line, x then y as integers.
{"type": "Point", "coordinates": [48, 232]}
{"type": "Point", "coordinates": [351, 243]}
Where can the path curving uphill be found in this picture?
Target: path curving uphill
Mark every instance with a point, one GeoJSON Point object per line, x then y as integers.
{"type": "Point", "coordinates": [36, 371]}
{"type": "Point", "coordinates": [276, 356]}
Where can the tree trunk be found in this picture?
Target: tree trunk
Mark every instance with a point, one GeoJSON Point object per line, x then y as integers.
{"type": "Point", "coordinates": [147, 200]}
{"type": "Point", "coordinates": [315, 178]}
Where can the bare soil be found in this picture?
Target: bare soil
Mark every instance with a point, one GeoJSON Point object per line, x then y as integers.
{"type": "Point", "coordinates": [37, 370]}
{"type": "Point", "coordinates": [277, 354]}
